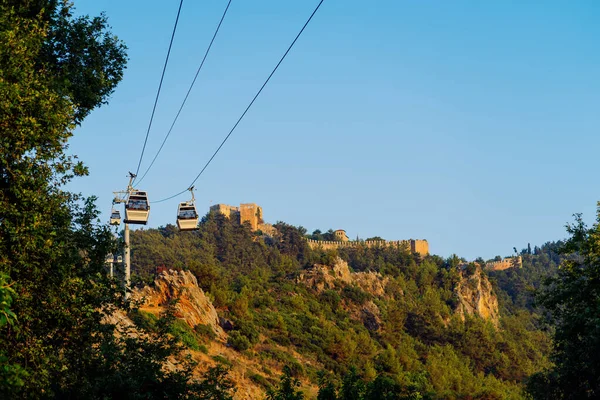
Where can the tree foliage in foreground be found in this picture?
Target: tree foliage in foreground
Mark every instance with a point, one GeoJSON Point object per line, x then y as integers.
{"type": "Point", "coordinates": [287, 388]}
{"type": "Point", "coordinates": [55, 341]}
{"type": "Point", "coordinates": [572, 301]}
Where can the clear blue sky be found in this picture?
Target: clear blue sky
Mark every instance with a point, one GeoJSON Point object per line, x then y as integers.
{"type": "Point", "coordinates": [471, 124]}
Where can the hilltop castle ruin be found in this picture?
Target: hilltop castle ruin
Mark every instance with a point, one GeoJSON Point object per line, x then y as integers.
{"type": "Point", "coordinates": [420, 247]}
{"type": "Point", "coordinates": [253, 214]}
{"type": "Point", "coordinates": [246, 212]}
{"type": "Point", "coordinates": [510, 262]}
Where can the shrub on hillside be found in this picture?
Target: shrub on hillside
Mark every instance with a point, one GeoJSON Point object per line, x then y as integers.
{"type": "Point", "coordinates": [238, 341]}
{"type": "Point", "coordinates": [182, 331]}
{"type": "Point", "coordinates": [355, 294]}
{"type": "Point", "coordinates": [205, 331]}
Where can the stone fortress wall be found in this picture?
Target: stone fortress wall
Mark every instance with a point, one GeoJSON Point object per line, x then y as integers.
{"type": "Point", "coordinates": [415, 246]}
{"type": "Point", "coordinates": [253, 214]}
{"type": "Point", "coordinates": [226, 210]}
{"type": "Point", "coordinates": [506, 263]}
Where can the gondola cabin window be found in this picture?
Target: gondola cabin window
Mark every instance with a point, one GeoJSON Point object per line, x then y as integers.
{"type": "Point", "coordinates": [137, 204]}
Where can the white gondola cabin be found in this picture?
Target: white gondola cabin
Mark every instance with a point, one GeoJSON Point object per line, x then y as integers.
{"type": "Point", "coordinates": [187, 217]}
{"type": "Point", "coordinates": [109, 259]}
{"type": "Point", "coordinates": [115, 217]}
{"type": "Point", "coordinates": [137, 208]}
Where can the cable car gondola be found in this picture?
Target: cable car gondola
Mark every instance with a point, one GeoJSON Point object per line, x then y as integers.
{"type": "Point", "coordinates": [187, 216]}
{"type": "Point", "coordinates": [115, 217]}
{"type": "Point", "coordinates": [137, 208]}
{"type": "Point", "coordinates": [109, 258]}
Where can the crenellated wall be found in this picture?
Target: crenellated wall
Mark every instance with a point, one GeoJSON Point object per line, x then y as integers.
{"type": "Point", "coordinates": [253, 214]}
{"type": "Point", "coordinates": [504, 264]}
{"type": "Point", "coordinates": [416, 246]}
{"type": "Point", "coordinates": [226, 210]}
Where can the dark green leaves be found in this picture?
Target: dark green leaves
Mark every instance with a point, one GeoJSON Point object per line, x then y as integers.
{"type": "Point", "coordinates": [572, 300]}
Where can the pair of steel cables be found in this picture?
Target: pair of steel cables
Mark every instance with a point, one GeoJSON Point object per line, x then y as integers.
{"type": "Point", "coordinates": [189, 91]}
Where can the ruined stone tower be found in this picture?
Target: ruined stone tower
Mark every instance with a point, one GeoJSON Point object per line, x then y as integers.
{"type": "Point", "coordinates": [249, 212]}
{"type": "Point", "coordinates": [252, 213]}
{"type": "Point", "coordinates": [340, 235]}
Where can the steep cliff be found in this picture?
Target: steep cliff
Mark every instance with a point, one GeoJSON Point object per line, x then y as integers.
{"type": "Point", "coordinates": [192, 306]}
{"type": "Point", "coordinates": [475, 295]}
{"type": "Point", "coordinates": [321, 277]}
{"type": "Point", "coordinates": [473, 291]}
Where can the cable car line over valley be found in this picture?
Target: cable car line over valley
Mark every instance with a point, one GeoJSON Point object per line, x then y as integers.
{"type": "Point", "coordinates": [137, 204]}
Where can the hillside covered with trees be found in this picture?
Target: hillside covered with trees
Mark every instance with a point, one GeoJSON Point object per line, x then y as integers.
{"type": "Point", "coordinates": [418, 346]}
{"type": "Point", "coordinates": [55, 295]}
{"type": "Point", "coordinates": [293, 323]}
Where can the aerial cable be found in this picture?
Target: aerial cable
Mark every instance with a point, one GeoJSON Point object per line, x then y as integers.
{"type": "Point", "coordinates": [188, 92]}
{"type": "Point", "coordinates": [159, 87]}
{"type": "Point", "coordinates": [247, 108]}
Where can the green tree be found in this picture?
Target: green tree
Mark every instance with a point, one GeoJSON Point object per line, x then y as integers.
{"type": "Point", "coordinates": [327, 390]}
{"type": "Point", "coordinates": [287, 389]}
{"type": "Point", "coordinates": [11, 376]}
{"type": "Point", "coordinates": [383, 388]}
{"type": "Point", "coordinates": [216, 385]}
{"type": "Point", "coordinates": [38, 249]}
{"type": "Point", "coordinates": [572, 300]}
{"type": "Point", "coordinates": [353, 387]}
{"type": "Point", "coordinates": [316, 235]}
{"type": "Point", "coordinates": [54, 69]}
{"type": "Point", "coordinates": [6, 298]}
{"type": "Point", "coordinates": [84, 60]}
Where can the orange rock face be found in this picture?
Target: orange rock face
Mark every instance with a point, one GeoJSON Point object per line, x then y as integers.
{"type": "Point", "coordinates": [193, 306]}
{"type": "Point", "coordinates": [476, 297]}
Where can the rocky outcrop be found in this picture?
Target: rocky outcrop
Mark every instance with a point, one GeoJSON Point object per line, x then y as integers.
{"type": "Point", "coordinates": [371, 282]}
{"type": "Point", "coordinates": [123, 325]}
{"type": "Point", "coordinates": [370, 316]}
{"type": "Point", "coordinates": [192, 304]}
{"type": "Point", "coordinates": [475, 295]}
{"type": "Point", "coordinates": [473, 291]}
{"type": "Point", "coordinates": [321, 277]}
